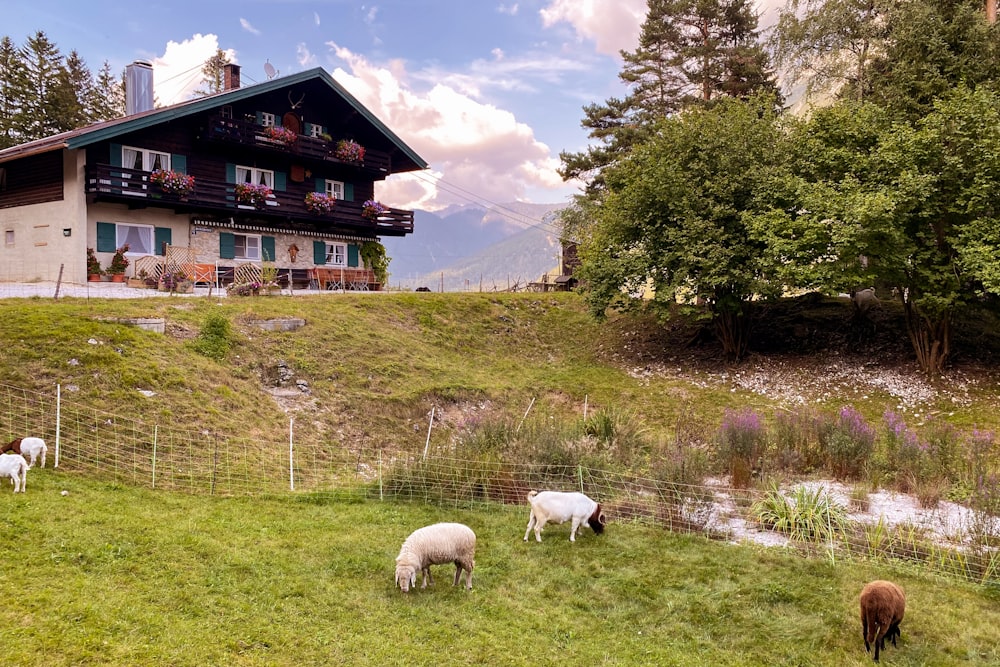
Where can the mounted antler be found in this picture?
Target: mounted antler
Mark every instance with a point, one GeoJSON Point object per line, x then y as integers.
{"type": "Point", "coordinates": [295, 105]}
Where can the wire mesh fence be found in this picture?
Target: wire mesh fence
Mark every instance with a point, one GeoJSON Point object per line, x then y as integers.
{"type": "Point", "coordinates": [947, 538]}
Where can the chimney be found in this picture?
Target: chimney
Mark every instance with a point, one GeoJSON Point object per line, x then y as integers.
{"type": "Point", "coordinates": [138, 87]}
{"type": "Point", "coordinates": [231, 76]}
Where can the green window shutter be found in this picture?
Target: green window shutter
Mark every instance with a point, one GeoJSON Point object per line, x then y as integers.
{"type": "Point", "coordinates": [162, 236]}
{"type": "Point", "coordinates": [348, 191]}
{"type": "Point", "coordinates": [116, 155]}
{"type": "Point", "coordinates": [179, 163]}
{"type": "Point", "coordinates": [260, 117]}
{"type": "Point", "coordinates": [320, 185]}
{"type": "Point", "coordinates": [267, 248]}
{"type": "Point", "coordinates": [319, 253]}
{"type": "Point", "coordinates": [230, 172]}
{"type": "Point", "coordinates": [307, 129]}
{"type": "Point", "coordinates": [352, 255]}
{"type": "Point", "coordinates": [106, 237]}
{"type": "Point", "coordinates": [227, 245]}
{"type": "Point", "coordinates": [279, 181]}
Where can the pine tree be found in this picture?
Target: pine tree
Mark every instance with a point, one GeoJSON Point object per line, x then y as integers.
{"type": "Point", "coordinates": [13, 83]}
{"type": "Point", "coordinates": [70, 93]}
{"type": "Point", "coordinates": [35, 118]}
{"type": "Point", "coordinates": [107, 96]}
{"type": "Point", "coordinates": [213, 73]}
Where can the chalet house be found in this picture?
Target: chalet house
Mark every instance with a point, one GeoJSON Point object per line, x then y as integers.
{"type": "Point", "coordinates": [103, 186]}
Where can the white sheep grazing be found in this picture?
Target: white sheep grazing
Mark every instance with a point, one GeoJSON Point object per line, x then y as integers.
{"type": "Point", "coordinates": [15, 467]}
{"type": "Point", "coordinates": [559, 507]}
{"type": "Point", "coordinates": [433, 545]}
{"type": "Point", "coordinates": [32, 448]}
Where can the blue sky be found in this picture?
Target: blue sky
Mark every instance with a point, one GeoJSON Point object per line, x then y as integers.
{"type": "Point", "coordinates": [488, 92]}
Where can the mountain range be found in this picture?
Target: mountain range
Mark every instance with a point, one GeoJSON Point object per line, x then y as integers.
{"type": "Point", "coordinates": [471, 248]}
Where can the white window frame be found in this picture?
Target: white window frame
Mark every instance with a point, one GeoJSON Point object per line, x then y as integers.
{"type": "Point", "coordinates": [335, 189]}
{"type": "Point", "coordinates": [254, 175]}
{"type": "Point", "coordinates": [148, 159]}
{"type": "Point", "coordinates": [266, 119]}
{"type": "Point", "coordinates": [226, 111]}
{"type": "Point", "coordinates": [126, 232]}
{"type": "Point", "coordinates": [251, 251]}
{"type": "Point", "coordinates": [336, 253]}
{"type": "Point", "coordinates": [315, 131]}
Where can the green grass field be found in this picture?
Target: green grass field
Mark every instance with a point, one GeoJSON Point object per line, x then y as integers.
{"type": "Point", "coordinates": [110, 575]}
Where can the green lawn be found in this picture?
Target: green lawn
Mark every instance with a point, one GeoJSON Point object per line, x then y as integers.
{"type": "Point", "coordinates": [114, 575]}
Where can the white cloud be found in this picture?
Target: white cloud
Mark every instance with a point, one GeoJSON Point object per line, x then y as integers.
{"type": "Point", "coordinates": [613, 25]}
{"type": "Point", "coordinates": [508, 9]}
{"type": "Point", "coordinates": [497, 53]}
{"type": "Point", "coordinates": [474, 147]}
{"type": "Point", "coordinates": [316, 18]}
{"type": "Point", "coordinates": [370, 16]}
{"type": "Point", "coordinates": [304, 57]}
{"type": "Point", "coordinates": [177, 73]}
{"type": "Point", "coordinates": [249, 28]}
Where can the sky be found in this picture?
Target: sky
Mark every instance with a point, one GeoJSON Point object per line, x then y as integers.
{"type": "Point", "coordinates": [488, 92]}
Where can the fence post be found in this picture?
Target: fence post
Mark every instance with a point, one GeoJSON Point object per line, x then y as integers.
{"type": "Point", "coordinates": [518, 430]}
{"type": "Point", "coordinates": [380, 496]}
{"type": "Point", "coordinates": [155, 434]}
{"type": "Point", "coordinates": [579, 471]}
{"type": "Point", "coordinates": [291, 456]}
{"type": "Point", "coordinates": [585, 397]}
{"type": "Point", "coordinates": [58, 419]}
{"type": "Point", "coordinates": [430, 424]}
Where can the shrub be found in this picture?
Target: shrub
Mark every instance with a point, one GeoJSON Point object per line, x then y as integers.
{"type": "Point", "coordinates": [849, 443]}
{"type": "Point", "coordinates": [809, 515]}
{"type": "Point", "coordinates": [795, 440]}
{"type": "Point", "coordinates": [742, 439]}
{"type": "Point", "coordinates": [215, 338]}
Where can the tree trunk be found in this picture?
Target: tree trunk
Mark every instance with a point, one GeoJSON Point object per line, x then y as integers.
{"type": "Point", "coordinates": [732, 328]}
{"type": "Point", "coordinates": [930, 337]}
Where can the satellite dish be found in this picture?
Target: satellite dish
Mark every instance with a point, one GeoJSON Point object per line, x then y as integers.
{"type": "Point", "coordinates": [269, 70]}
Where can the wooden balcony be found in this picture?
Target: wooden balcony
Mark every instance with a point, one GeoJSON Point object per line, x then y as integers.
{"type": "Point", "coordinates": [249, 133]}
{"type": "Point", "coordinates": [130, 186]}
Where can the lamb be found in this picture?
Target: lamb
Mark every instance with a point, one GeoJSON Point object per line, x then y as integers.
{"type": "Point", "coordinates": [433, 545]}
{"type": "Point", "coordinates": [559, 507]}
{"type": "Point", "coordinates": [15, 467]}
{"type": "Point", "coordinates": [31, 448]}
{"type": "Point", "coordinates": [882, 607]}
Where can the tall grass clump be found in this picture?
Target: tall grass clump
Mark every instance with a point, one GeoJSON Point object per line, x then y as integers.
{"type": "Point", "coordinates": [808, 515]}
{"type": "Point", "coordinates": [215, 338]}
{"type": "Point", "coordinates": [848, 442]}
{"type": "Point", "coordinates": [741, 445]}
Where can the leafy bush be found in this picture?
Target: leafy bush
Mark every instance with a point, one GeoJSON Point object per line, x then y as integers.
{"type": "Point", "coordinates": [742, 440]}
{"type": "Point", "coordinates": [215, 338]}
{"type": "Point", "coordinates": [849, 443]}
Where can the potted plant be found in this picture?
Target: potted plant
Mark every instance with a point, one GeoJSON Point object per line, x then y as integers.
{"type": "Point", "coordinates": [280, 134]}
{"type": "Point", "coordinates": [251, 194]}
{"type": "Point", "coordinates": [119, 262]}
{"type": "Point", "coordinates": [94, 269]}
{"type": "Point", "coordinates": [372, 209]}
{"type": "Point", "coordinates": [172, 182]}
{"type": "Point", "coordinates": [349, 150]}
{"type": "Point", "coordinates": [320, 202]}
{"type": "Point", "coordinates": [374, 257]}
{"type": "Point", "coordinates": [177, 281]}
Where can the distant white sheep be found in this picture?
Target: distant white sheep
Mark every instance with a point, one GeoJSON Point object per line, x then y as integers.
{"type": "Point", "coordinates": [559, 507]}
{"type": "Point", "coordinates": [32, 448]}
{"type": "Point", "coordinates": [15, 467]}
{"type": "Point", "coordinates": [433, 545]}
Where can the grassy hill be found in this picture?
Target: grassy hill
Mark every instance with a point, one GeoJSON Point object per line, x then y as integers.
{"type": "Point", "coordinates": [117, 574]}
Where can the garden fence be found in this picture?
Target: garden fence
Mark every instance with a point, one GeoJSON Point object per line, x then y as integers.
{"type": "Point", "coordinates": [951, 540]}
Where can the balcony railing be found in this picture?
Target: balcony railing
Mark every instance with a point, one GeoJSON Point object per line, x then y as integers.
{"type": "Point", "coordinates": [131, 186]}
{"type": "Point", "coordinates": [249, 133]}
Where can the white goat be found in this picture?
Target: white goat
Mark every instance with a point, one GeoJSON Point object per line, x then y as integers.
{"type": "Point", "coordinates": [433, 545]}
{"type": "Point", "coordinates": [559, 507]}
{"type": "Point", "coordinates": [32, 448]}
{"type": "Point", "coordinates": [15, 467]}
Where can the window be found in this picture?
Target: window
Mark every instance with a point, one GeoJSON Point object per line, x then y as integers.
{"type": "Point", "coordinates": [144, 160]}
{"type": "Point", "coordinates": [335, 189]}
{"type": "Point", "coordinates": [315, 131]}
{"type": "Point", "coordinates": [9, 237]}
{"type": "Point", "coordinates": [138, 237]}
{"type": "Point", "coordinates": [336, 254]}
{"type": "Point", "coordinates": [246, 246]}
{"type": "Point", "coordinates": [255, 176]}
{"type": "Point", "coordinates": [266, 119]}
{"type": "Point", "coordinates": [226, 111]}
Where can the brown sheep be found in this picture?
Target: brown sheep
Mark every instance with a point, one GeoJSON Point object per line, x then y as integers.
{"type": "Point", "coordinates": [882, 606]}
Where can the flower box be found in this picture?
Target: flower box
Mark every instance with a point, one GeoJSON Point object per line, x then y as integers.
{"type": "Point", "coordinates": [252, 195]}
{"type": "Point", "coordinates": [349, 151]}
{"type": "Point", "coordinates": [172, 182]}
{"type": "Point", "coordinates": [319, 202]}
